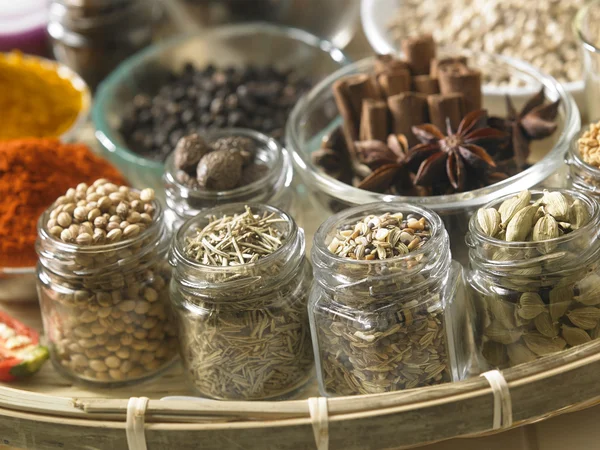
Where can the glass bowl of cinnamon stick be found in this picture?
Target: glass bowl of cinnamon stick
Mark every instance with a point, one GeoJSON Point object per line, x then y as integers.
{"type": "Point", "coordinates": [422, 130]}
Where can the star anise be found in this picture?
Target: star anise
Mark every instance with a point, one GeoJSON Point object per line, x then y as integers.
{"type": "Point", "coordinates": [534, 121]}
{"type": "Point", "coordinates": [388, 161]}
{"type": "Point", "coordinates": [457, 153]}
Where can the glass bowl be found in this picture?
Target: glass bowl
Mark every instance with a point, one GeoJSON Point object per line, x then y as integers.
{"type": "Point", "coordinates": [257, 43]}
{"type": "Point", "coordinates": [375, 16]}
{"type": "Point", "coordinates": [316, 114]}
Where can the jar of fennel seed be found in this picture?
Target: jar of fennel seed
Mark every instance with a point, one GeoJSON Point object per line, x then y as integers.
{"type": "Point", "coordinates": [240, 289]}
{"type": "Point", "coordinates": [539, 292]}
{"type": "Point", "coordinates": [103, 279]}
{"type": "Point", "coordinates": [266, 179]}
{"type": "Point", "coordinates": [387, 307]}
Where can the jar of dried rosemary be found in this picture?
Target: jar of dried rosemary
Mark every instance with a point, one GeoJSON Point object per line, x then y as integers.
{"type": "Point", "coordinates": [226, 166]}
{"type": "Point", "coordinates": [382, 305]}
{"type": "Point", "coordinates": [240, 289]}
{"type": "Point", "coordinates": [534, 275]}
{"type": "Point", "coordinates": [103, 284]}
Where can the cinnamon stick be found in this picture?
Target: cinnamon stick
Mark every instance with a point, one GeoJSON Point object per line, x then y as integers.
{"type": "Point", "coordinates": [458, 78]}
{"type": "Point", "coordinates": [408, 109]}
{"type": "Point", "coordinates": [425, 84]}
{"type": "Point", "coordinates": [419, 51]}
{"type": "Point", "coordinates": [394, 82]}
{"type": "Point", "coordinates": [436, 63]}
{"type": "Point", "coordinates": [374, 121]}
{"type": "Point", "coordinates": [389, 63]}
{"type": "Point", "coordinates": [449, 106]}
{"type": "Point", "coordinates": [360, 87]}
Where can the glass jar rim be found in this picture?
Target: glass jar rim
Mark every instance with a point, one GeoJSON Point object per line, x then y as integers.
{"type": "Point", "coordinates": [482, 238]}
{"type": "Point", "coordinates": [577, 26]}
{"type": "Point", "coordinates": [320, 249]}
{"type": "Point", "coordinates": [154, 229]}
{"type": "Point", "coordinates": [178, 254]}
{"type": "Point", "coordinates": [268, 143]}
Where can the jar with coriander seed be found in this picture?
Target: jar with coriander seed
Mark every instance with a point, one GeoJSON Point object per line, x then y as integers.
{"type": "Point", "coordinates": [199, 173]}
{"type": "Point", "coordinates": [387, 307]}
{"type": "Point", "coordinates": [240, 289]}
{"type": "Point", "coordinates": [103, 281]}
{"type": "Point", "coordinates": [534, 275]}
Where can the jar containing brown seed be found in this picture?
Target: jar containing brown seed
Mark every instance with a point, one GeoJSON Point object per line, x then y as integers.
{"type": "Point", "coordinates": [583, 160]}
{"type": "Point", "coordinates": [266, 179]}
{"type": "Point", "coordinates": [386, 302]}
{"type": "Point", "coordinates": [103, 285]}
{"type": "Point", "coordinates": [534, 275]}
{"type": "Point", "coordinates": [240, 289]}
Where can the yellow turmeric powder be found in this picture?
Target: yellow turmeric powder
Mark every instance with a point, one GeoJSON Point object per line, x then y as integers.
{"type": "Point", "coordinates": [35, 101]}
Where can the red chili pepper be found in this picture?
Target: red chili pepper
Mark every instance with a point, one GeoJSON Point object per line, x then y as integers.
{"type": "Point", "coordinates": [20, 352]}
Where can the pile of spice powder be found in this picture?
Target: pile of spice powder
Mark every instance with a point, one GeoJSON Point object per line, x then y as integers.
{"type": "Point", "coordinates": [381, 237]}
{"type": "Point", "coordinates": [33, 173]}
{"type": "Point", "coordinates": [589, 145]}
{"type": "Point", "coordinates": [235, 240]}
{"type": "Point", "coordinates": [35, 100]}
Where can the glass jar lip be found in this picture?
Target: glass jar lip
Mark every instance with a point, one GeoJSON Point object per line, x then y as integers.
{"type": "Point", "coordinates": [232, 208]}
{"type": "Point", "coordinates": [66, 247]}
{"type": "Point", "coordinates": [269, 143]}
{"type": "Point", "coordinates": [527, 178]}
{"type": "Point", "coordinates": [577, 26]}
{"type": "Point", "coordinates": [587, 228]}
{"type": "Point", "coordinates": [327, 227]}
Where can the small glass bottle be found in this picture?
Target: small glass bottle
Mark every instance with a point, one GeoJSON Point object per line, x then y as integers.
{"type": "Point", "coordinates": [386, 325]}
{"type": "Point", "coordinates": [105, 308]}
{"type": "Point", "coordinates": [244, 332]}
{"type": "Point", "coordinates": [530, 298]}
{"type": "Point", "coordinates": [275, 188]}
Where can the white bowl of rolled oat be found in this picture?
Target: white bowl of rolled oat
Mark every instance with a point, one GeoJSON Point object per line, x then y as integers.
{"type": "Point", "coordinates": [539, 33]}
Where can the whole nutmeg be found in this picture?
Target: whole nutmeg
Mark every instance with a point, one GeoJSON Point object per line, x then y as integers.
{"type": "Point", "coordinates": [253, 172]}
{"type": "Point", "coordinates": [189, 151]}
{"type": "Point", "coordinates": [245, 146]}
{"type": "Point", "coordinates": [220, 170]}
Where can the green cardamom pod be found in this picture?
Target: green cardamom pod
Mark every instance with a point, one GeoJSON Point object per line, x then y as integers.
{"type": "Point", "coordinates": [545, 228]}
{"type": "Point", "coordinates": [560, 300]}
{"type": "Point", "coordinates": [543, 323]}
{"type": "Point", "coordinates": [489, 220]}
{"type": "Point", "coordinates": [585, 318]}
{"type": "Point", "coordinates": [595, 333]}
{"type": "Point", "coordinates": [510, 207]}
{"type": "Point", "coordinates": [521, 224]}
{"type": "Point", "coordinates": [542, 345]}
{"type": "Point", "coordinates": [579, 215]}
{"type": "Point", "coordinates": [494, 353]}
{"type": "Point", "coordinates": [556, 205]}
{"type": "Point", "coordinates": [498, 333]}
{"type": "Point", "coordinates": [530, 305]}
{"type": "Point", "coordinates": [575, 336]}
{"type": "Point", "coordinates": [502, 311]}
{"type": "Point", "coordinates": [588, 290]}
{"type": "Point", "coordinates": [520, 354]}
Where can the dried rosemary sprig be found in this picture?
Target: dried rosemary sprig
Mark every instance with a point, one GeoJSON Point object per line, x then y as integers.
{"type": "Point", "coordinates": [238, 239]}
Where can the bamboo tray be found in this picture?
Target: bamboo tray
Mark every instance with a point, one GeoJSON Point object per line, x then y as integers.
{"type": "Point", "coordinates": [47, 412]}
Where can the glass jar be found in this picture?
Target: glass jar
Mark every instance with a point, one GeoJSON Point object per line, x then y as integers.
{"type": "Point", "coordinates": [582, 176]}
{"type": "Point", "coordinates": [94, 36]}
{"type": "Point", "coordinates": [386, 325]}
{"type": "Point", "coordinates": [530, 298]}
{"type": "Point", "coordinates": [105, 308]}
{"type": "Point", "coordinates": [275, 188]}
{"type": "Point", "coordinates": [244, 332]}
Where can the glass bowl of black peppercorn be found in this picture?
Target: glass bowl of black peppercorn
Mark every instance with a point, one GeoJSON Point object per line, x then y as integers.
{"type": "Point", "coordinates": [247, 76]}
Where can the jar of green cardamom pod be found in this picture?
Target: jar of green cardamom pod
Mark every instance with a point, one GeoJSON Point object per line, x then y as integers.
{"type": "Point", "coordinates": [240, 289]}
{"type": "Point", "coordinates": [387, 307]}
{"type": "Point", "coordinates": [534, 275]}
